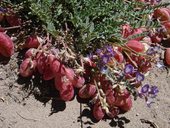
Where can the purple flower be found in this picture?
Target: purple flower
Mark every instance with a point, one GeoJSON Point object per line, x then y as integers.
{"type": "Point", "coordinates": [148, 92]}
{"type": "Point", "coordinates": [139, 77]}
{"type": "Point", "coordinates": [149, 101]}
{"type": "Point", "coordinates": [90, 56]}
{"type": "Point", "coordinates": [150, 51]}
{"type": "Point", "coordinates": [144, 91]}
{"type": "Point", "coordinates": [105, 59]}
{"type": "Point", "coordinates": [154, 90]}
{"type": "Point", "coordinates": [99, 52]}
{"type": "Point", "coordinates": [158, 1]}
{"type": "Point", "coordinates": [153, 50]}
{"type": "Point", "coordinates": [103, 69]}
{"type": "Point", "coordinates": [3, 10]}
{"type": "Point", "coordinates": [109, 51]}
{"type": "Point", "coordinates": [157, 49]}
{"type": "Point", "coordinates": [128, 69]}
{"type": "Point", "coordinates": [145, 88]}
{"type": "Point", "coordinates": [109, 48]}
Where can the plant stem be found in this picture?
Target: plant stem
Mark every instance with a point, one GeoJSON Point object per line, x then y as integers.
{"type": "Point", "coordinates": [13, 27]}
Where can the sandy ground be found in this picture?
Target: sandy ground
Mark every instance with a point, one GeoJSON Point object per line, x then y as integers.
{"type": "Point", "coordinates": [22, 108]}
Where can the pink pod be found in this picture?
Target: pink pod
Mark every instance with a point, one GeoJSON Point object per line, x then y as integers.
{"type": "Point", "coordinates": [162, 14]}
{"type": "Point", "coordinates": [167, 56]}
{"type": "Point", "coordinates": [6, 45]}
{"type": "Point", "coordinates": [137, 32]}
{"type": "Point", "coordinates": [57, 67]}
{"type": "Point", "coordinates": [78, 81]}
{"type": "Point", "coordinates": [41, 63]}
{"type": "Point", "coordinates": [167, 27]}
{"type": "Point", "coordinates": [110, 98]}
{"type": "Point", "coordinates": [67, 93]}
{"type": "Point", "coordinates": [135, 45]}
{"type": "Point", "coordinates": [126, 30]}
{"type": "Point", "coordinates": [156, 38]}
{"type": "Point", "coordinates": [98, 112]}
{"type": "Point", "coordinates": [27, 67]}
{"type": "Point", "coordinates": [69, 73]}
{"type": "Point", "coordinates": [30, 53]}
{"type": "Point", "coordinates": [31, 42]}
{"type": "Point", "coordinates": [119, 56]}
{"type": "Point", "coordinates": [48, 71]}
{"type": "Point", "coordinates": [127, 105]}
{"type": "Point", "coordinates": [2, 29]}
{"type": "Point", "coordinates": [13, 20]}
{"type": "Point", "coordinates": [87, 91]}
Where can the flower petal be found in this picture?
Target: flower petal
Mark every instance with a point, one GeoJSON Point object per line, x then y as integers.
{"type": "Point", "coordinates": [145, 88]}
{"type": "Point", "coordinates": [128, 69]}
{"type": "Point", "coordinates": [154, 90]}
{"type": "Point", "coordinates": [139, 77]}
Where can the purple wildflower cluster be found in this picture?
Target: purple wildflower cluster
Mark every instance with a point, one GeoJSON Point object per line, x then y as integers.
{"type": "Point", "coordinates": [105, 55]}
{"type": "Point", "coordinates": [3, 10]}
{"type": "Point", "coordinates": [130, 70]}
{"type": "Point", "coordinates": [153, 50]}
{"type": "Point", "coordinates": [131, 74]}
{"type": "Point", "coordinates": [148, 92]}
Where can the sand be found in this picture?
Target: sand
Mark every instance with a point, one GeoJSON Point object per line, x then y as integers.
{"type": "Point", "coordinates": [20, 107]}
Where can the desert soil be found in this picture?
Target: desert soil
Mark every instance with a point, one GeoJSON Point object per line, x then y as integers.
{"type": "Point", "coordinates": [23, 106]}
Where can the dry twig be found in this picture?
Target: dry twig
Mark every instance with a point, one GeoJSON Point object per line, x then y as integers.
{"type": "Point", "coordinates": [26, 118]}
{"type": "Point", "coordinates": [2, 99]}
{"type": "Point", "coordinates": [154, 125]}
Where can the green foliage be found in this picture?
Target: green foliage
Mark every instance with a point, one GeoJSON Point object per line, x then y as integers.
{"type": "Point", "coordinates": [42, 9]}
{"type": "Point", "coordinates": [90, 20]}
